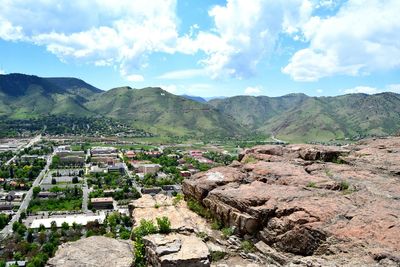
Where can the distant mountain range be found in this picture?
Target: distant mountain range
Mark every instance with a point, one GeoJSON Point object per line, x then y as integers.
{"type": "Point", "coordinates": [293, 117]}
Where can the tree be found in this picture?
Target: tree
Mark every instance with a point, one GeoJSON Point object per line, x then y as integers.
{"type": "Point", "coordinates": [29, 237]}
{"type": "Point", "coordinates": [53, 181]}
{"type": "Point", "coordinates": [35, 191]}
{"type": "Point", "coordinates": [75, 180]}
{"type": "Point", "coordinates": [65, 226]}
{"type": "Point", "coordinates": [53, 226]}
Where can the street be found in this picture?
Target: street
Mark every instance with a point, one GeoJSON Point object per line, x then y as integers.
{"type": "Point", "coordinates": [25, 203]}
{"type": "Point", "coordinates": [31, 143]}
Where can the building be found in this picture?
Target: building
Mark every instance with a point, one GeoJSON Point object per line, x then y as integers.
{"type": "Point", "coordinates": [46, 194]}
{"type": "Point", "coordinates": [6, 206]}
{"type": "Point", "coordinates": [101, 151]}
{"type": "Point", "coordinates": [147, 168]}
{"type": "Point", "coordinates": [152, 191]}
{"type": "Point", "coordinates": [119, 167]}
{"type": "Point", "coordinates": [68, 157]}
{"type": "Point", "coordinates": [102, 203]}
{"type": "Point", "coordinates": [78, 219]}
{"type": "Point", "coordinates": [185, 173]}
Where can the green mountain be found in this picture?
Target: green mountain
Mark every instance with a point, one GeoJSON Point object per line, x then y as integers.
{"type": "Point", "coordinates": [28, 96]}
{"type": "Point", "coordinates": [299, 118]}
{"type": "Point", "coordinates": [158, 111]}
{"type": "Point", "coordinates": [293, 117]}
{"type": "Point", "coordinates": [153, 109]}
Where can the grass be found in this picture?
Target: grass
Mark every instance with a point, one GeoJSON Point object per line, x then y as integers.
{"type": "Point", "coordinates": [227, 232]}
{"type": "Point", "coordinates": [247, 246]}
{"type": "Point", "coordinates": [312, 185]}
{"type": "Point", "coordinates": [250, 159]}
{"type": "Point", "coordinates": [217, 255]}
{"type": "Point", "coordinates": [217, 225]}
{"type": "Point", "coordinates": [177, 199]}
{"type": "Point", "coordinates": [202, 235]}
{"type": "Point", "coordinates": [156, 205]}
{"type": "Point", "coordinates": [196, 207]}
{"type": "Point", "coordinates": [54, 205]}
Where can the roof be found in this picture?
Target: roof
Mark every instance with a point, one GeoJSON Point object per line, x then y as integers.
{"type": "Point", "coordinates": [101, 199]}
{"type": "Point", "coordinates": [79, 219]}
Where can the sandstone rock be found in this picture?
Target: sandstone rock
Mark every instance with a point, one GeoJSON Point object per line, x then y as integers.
{"type": "Point", "coordinates": [298, 198]}
{"type": "Point", "coordinates": [176, 250]}
{"type": "Point", "coordinates": [93, 251]}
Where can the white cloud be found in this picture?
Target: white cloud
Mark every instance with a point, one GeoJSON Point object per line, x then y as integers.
{"type": "Point", "coordinates": [134, 78]}
{"type": "Point", "coordinates": [245, 33]}
{"type": "Point", "coordinates": [2, 71]}
{"type": "Point", "coordinates": [362, 90]}
{"type": "Point", "coordinates": [362, 37]}
{"type": "Point", "coordinates": [256, 90]}
{"type": "Point", "coordinates": [320, 91]}
{"type": "Point", "coordinates": [101, 32]}
{"type": "Point", "coordinates": [195, 89]}
{"type": "Point", "coordinates": [395, 88]}
{"type": "Point", "coordinates": [183, 74]}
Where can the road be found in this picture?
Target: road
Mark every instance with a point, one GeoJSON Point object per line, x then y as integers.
{"type": "Point", "coordinates": [24, 205]}
{"type": "Point", "coordinates": [31, 143]}
{"type": "Point", "coordinates": [134, 183]}
{"type": "Point", "coordinates": [85, 197]}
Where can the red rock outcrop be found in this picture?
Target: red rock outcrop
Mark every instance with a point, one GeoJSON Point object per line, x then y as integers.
{"type": "Point", "coordinates": [312, 200]}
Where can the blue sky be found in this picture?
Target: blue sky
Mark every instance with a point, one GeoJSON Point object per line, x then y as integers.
{"type": "Point", "coordinates": [208, 48]}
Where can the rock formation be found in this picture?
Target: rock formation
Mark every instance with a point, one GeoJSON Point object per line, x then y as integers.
{"type": "Point", "coordinates": [311, 203]}
{"type": "Point", "coordinates": [96, 251]}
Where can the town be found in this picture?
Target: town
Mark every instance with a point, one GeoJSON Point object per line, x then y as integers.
{"type": "Point", "coordinates": [56, 189]}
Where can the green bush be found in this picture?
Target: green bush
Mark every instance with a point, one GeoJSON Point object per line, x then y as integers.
{"type": "Point", "coordinates": [217, 255]}
{"type": "Point", "coordinates": [227, 232]}
{"type": "Point", "coordinates": [344, 185]}
{"type": "Point", "coordinates": [217, 225]}
{"type": "Point", "coordinates": [312, 185]}
{"type": "Point", "coordinates": [196, 207]}
{"type": "Point", "coordinates": [247, 246]}
{"type": "Point", "coordinates": [164, 225]}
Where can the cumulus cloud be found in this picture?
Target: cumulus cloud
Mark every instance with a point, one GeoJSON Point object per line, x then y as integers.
{"type": "Point", "coordinates": [362, 90]}
{"type": "Point", "coordinates": [395, 88]}
{"type": "Point", "coordinates": [183, 74]}
{"type": "Point", "coordinates": [134, 78]}
{"type": "Point", "coordinates": [2, 71]}
{"type": "Point", "coordinates": [245, 33]}
{"type": "Point", "coordinates": [256, 90]}
{"type": "Point", "coordinates": [101, 32]}
{"type": "Point", "coordinates": [361, 38]}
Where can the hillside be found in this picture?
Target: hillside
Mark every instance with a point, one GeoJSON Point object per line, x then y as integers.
{"type": "Point", "coordinates": [293, 117]}
{"type": "Point", "coordinates": [156, 110]}
{"type": "Point", "coordinates": [299, 118]}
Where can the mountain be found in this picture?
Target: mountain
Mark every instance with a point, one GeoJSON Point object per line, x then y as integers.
{"type": "Point", "coordinates": [156, 110]}
{"type": "Point", "coordinates": [195, 98]}
{"type": "Point", "coordinates": [24, 96]}
{"type": "Point", "coordinates": [293, 117]}
{"type": "Point", "coordinates": [299, 118]}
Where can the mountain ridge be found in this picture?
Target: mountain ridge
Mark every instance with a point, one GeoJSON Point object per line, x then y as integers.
{"type": "Point", "coordinates": [292, 117]}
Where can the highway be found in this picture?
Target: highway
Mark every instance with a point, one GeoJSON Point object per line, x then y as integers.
{"type": "Point", "coordinates": [25, 203]}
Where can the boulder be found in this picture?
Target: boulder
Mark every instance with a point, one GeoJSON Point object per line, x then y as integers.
{"type": "Point", "coordinates": [176, 250]}
{"type": "Point", "coordinates": [94, 251]}
{"type": "Point", "coordinates": [311, 203]}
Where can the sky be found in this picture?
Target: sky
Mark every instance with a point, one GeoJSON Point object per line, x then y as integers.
{"type": "Point", "coordinates": [209, 47]}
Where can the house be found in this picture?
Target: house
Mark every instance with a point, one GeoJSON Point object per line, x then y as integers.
{"type": "Point", "coordinates": [185, 173]}
{"type": "Point", "coordinates": [152, 191]}
{"type": "Point", "coordinates": [46, 194]}
{"type": "Point", "coordinates": [130, 154]}
{"type": "Point", "coordinates": [196, 153]}
{"type": "Point", "coordinates": [172, 188]}
{"type": "Point", "coordinates": [147, 168]}
{"type": "Point", "coordinates": [102, 203]}
{"type": "Point", "coordinates": [97, 169]}
{"type": "Point", "coordinates": [6, 206]}
{"type": "Point", "coordinates": [11, 196]}
{"type": "Point", "coordinates": [119, 167]}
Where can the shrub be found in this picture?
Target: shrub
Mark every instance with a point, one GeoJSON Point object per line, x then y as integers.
{"type": "Point", "coordinates": [217, 225]}
{"type": "Point", "coordinates": [312, 185]}
{"type": "Point", "coordinates": [202, 235]}
{"type": "Point", "coordinates": [177, 199]}
{"type": "Point", "coordinates": [195, 206]}
{"type": "Point", "coordinates": [250, 159]}
{"type": "Point", "coordinates": [156, 205]}
{"type": "Point", "coordinates": [164, 225]}
{"type": "Point", "coordinates": [217, 255]}
{"type": "Point", "coordinates": [344, 185]}
{"type": "Point", "coordinates": [247, 246]}
{"type": "Point", "coordinates": [227, 232]}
